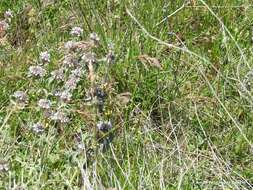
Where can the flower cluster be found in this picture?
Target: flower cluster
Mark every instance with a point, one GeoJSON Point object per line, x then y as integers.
{"type": "Point", "coordinates": [45, 57]}
{"type": "Point", "coordinates": [36, 71]}
{"type": "Point", "coordinates": [58, 74]}
{"type": "Point", "coordinates": [76, 31]}
{"type": "Point", "coordinates": [104, 126]}
{"type": "Point", "coordinates": [8, 14]}
{"type": "Point", "coordinates": [21, 97]}
{"type": "Point", "coordinates": [78, 63]}
{"type": "Point", "coordinates": [65, 95]}
{"type": "Point", "coordinates": [5, 23]}
{"type": "Point", "coordinates": [60, 116]}
{"type": "Point", "coordinates": [45, 104]}
{"type": "Point", "coordinates": [38, 128]}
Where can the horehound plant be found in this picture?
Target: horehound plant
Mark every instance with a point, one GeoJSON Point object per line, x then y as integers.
{"type": "Point", "coordinates": [57, 102]}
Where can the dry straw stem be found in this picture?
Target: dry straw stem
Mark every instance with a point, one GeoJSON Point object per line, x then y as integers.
{"type": "Point", "coordinates": [175, 12]}
{"type": "Point", "coordinates": [186, 50]}
{"type": "Point", "coordinates": [91, 76]}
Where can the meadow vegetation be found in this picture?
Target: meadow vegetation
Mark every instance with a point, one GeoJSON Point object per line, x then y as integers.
{"type": "Point", "coordinates": [126, 94]}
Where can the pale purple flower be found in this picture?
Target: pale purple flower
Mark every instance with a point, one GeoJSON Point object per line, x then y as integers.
{"type": "Point", "coordinates": [21, 96]}
{"type": "Point", "coordinates": [76, 31]}
{"type": "Point", "coordinates": [60, 116]}
{"type": "Point", "coordinates": [8, 14]}
{"type": "Point", "coordinates": [47, 113]}
{"type": "Point", "coordinates": [70, 45]}
{"type": "Point", "coordinates": [78, 72]}
{"type": "Point", "coordinates": [37, 71]}
{"type": "Point", "coordinates": [89, 57]}
{"type": "Point", "coordinates": [4, 25]}
{"type": "Point", "coordinates": [71, 83]}
{"type": "Point", "coordinates": [38, 128]}
{"type": "Point", "coordinates": [65, 95]}
{"type": "Point", "coordinates": [44, 103]}
{"type": "Point", "coordinates": [45, 57]}
{"type": "Point", "coordinates": [69, 61]}
{"type": "Point", "coordinates": [94, 37]}
{"type": "Point", "coordinates": [58, 74]}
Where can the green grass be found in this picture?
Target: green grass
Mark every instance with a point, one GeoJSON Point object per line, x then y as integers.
{"type": "Point", "coordinates": [194, 126]}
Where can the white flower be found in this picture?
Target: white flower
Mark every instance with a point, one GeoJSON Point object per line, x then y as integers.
{"type": "Point", "coordinates": [69, 61]}
{"type": "Point", "coordinates": [60, 116]}
{"type": "Point", "coordinates": [64, 95]}
{"type": "Point", "coordinates": [4, 25]}
{"type": "Point", "coordinates": [20, 96]}
{"type": "Point", "coordinates": [37, 71]}
{"type": "Point", "coordinates": [89, 57]}
{"type": "Point", "coordinates": [104, 126]}
{"type": "Point", "coordinates": [77, 72]}
{"type": "Point", "coordinates": [76, 31]}
{"type": "Point", "coordinates": [8, 14]}
{"type": "Point", "coordinates": [38, 128]}
{"type": "Point", "coordinates": [94, 37]}
{"type": "Point", "coordinates": [58, 74]}
{"type": "Point", "coordinates": [45, 57]}
{"type": "Point", "coordinates": [71, 83]}
{"type": "Point", "coordinates": [44, 103]}
{"type": "Point", "coordinates": [70, 45]}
